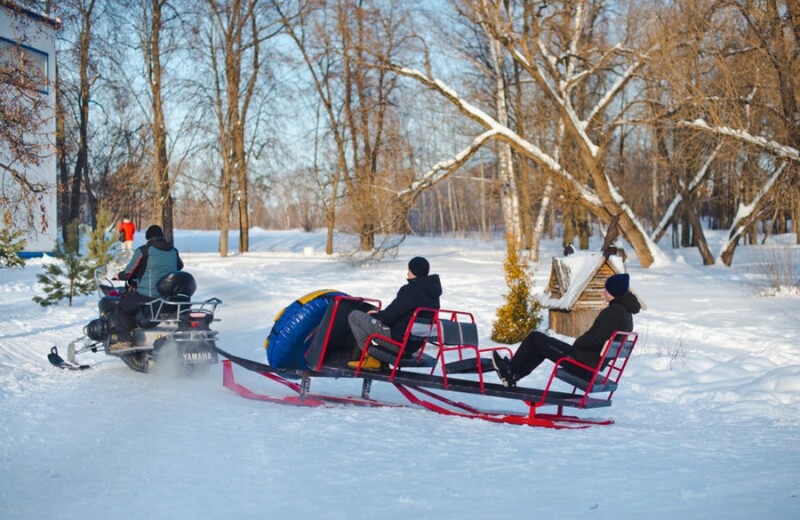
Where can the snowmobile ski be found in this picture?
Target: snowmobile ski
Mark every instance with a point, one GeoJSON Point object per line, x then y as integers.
{"type": "Point", "coordinates": [57, 361]}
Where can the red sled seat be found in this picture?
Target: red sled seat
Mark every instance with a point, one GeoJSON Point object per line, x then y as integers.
{"type": "Point", "coordinates": [449, 331]}
{"type": "Point", "coordinates": [604, 378]}
{"type": "Point", "coordinates": [410, 351]}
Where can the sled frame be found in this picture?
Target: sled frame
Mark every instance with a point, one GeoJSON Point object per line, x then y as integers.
{"type": "Point", "coordinates": [420, 389]}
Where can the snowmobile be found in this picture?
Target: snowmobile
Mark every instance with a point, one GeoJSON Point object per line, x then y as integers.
{"type": "Point", "coordinates": [171, 331]}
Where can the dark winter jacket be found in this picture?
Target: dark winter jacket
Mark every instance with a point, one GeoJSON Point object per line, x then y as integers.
{"type": "Point", "coordinates": [617, 316]}
{"type": "Point", "coordinates": [423, 291]}
{"type": "Point", "coordinates": [150, 263]}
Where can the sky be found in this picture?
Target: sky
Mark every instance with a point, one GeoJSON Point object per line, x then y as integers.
{"type": "Point", "coordinates": [706, 418]}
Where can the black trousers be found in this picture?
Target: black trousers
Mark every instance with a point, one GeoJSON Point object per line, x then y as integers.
{"type": "Point", "coordinates": [537, 347]}
{"type": "Point", "coordinates": [126, 314]}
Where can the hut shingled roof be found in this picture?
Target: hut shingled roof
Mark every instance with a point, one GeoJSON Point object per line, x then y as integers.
{"type": "Point", "coordinates": [571, 275]}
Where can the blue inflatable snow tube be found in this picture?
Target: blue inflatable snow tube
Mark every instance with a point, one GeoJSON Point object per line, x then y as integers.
{"type": "Point", "coordinates": [294, 329]}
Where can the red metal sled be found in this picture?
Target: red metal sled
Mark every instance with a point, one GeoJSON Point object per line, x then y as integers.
{"type": "Point", "coordinates": [446, 335]}
{"type": "Point", "coordinates": [303, 398]}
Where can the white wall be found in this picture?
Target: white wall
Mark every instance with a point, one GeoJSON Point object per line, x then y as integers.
{"type": "Point", "coordinates": [37, 34]}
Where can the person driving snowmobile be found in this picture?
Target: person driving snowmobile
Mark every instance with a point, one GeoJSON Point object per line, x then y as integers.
{"type": "Point", "coordinates": [150, 263]}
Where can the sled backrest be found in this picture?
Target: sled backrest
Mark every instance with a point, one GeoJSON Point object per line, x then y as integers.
{"type": "Point", "coordinates": [447, 330]}
{"type": "Point", "coordinates": [459, 328]}
{"type": "Point", "coordinates": [606, 375]}
{"type": "Point", "coordinates": [408, 352]}
{"type": "Point", "coordinates": [455, 332]}
{"type": "Point", "coordinates": [333, 343]}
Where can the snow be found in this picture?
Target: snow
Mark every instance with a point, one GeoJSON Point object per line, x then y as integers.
{"type": "Point", "coordinates": [706, 418]}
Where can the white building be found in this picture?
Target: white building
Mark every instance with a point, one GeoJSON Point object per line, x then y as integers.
{"type": "Point", "coordinates": [28, 38]}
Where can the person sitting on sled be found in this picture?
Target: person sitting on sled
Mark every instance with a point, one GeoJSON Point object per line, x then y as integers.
{"type": "Point", "coordinates": [422, 290]}
{"type": "Point", "coordinates": [586, 349]}
{"type": "Point", "coordinates": [150, 263]}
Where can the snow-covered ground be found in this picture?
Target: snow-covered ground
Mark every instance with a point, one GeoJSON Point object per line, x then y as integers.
{"type": "Point", "coordinates": [707, 419]}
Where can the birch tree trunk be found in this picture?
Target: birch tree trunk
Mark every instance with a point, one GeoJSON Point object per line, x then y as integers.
{"type": "Point", "coordinates": [508, 184]}
{"type": "Point", "coordinates": [234, 42]}
{"type": "Point", "coordinates": [538, 225]}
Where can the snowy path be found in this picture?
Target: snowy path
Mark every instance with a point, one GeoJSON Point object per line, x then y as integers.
{"type": "Point", "coordinates": [707, 419]}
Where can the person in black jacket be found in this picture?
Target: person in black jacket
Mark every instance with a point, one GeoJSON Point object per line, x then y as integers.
{"type": "Point", "coordinates": [534, 349]}
{"type": "Point", "coordinates": [422, 290]}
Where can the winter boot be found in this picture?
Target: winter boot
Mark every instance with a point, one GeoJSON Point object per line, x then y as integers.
{"type": "Point", "coordinates": [504, 370]}
{"type": "Point", "coordinates": [370, 363]}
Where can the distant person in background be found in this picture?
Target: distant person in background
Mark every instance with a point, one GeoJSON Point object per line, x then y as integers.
{"type": "Point", "coordinates": [586, 349]}
{"type": "Point", "coordinates": [126, 231]}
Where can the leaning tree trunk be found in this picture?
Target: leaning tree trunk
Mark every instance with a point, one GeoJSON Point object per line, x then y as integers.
{"type": "Point", "coordinates": [697, 230]}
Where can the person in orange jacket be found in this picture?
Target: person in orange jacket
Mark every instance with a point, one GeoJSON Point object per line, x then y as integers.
{"type": "Point", "coordinates": [126, 229]}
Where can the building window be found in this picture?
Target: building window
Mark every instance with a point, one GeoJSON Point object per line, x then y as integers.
{"type": "Point", "coordinates": [23, 66]}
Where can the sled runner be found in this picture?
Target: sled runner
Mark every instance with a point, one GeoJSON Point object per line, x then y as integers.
{"type": "Point", "coordinates": [449, 359]}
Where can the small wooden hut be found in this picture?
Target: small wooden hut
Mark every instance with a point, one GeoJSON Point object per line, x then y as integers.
{"type": "Point", "coordinates": [576, 290]}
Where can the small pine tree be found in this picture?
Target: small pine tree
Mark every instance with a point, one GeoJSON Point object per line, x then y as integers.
{"type": "Point", "coordinates": [520, 314]}
{"type": "Point", "coordinates": [100, 243]}
{"type": "Point", "coordinates": [70, 277]}
{"type": "Point", "coordinates": [11, 243]}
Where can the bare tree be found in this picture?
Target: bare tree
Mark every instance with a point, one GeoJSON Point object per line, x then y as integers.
{"type": "Point", "coordinates": [750, 98]}
{"type": "Point", "coordinates": [558, 66]}
{"type": "Point", "coordinates": [85, 80]}
{"type": "Point", "coordinates": [152, 30]}
{"type": "Point", "coordinates": [313, 35]}
{"type": "Point", "coordinates": [233, 36]}
{"type": "Point", "coordinates": [338, 41]}
{"type": "Point", "coordinates": [508, 181]}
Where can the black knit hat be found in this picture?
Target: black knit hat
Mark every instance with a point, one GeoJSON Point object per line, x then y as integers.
{"type": "Point", "coordinates": [154, 231]}
{"type": "Point", "coordinates": [419, 266]}
{"type": "Point", "coordinates": [618, 284]}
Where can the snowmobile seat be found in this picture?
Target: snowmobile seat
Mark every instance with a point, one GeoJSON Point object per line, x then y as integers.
{"type": "Point", "coordinates": [177, 287]}
{"type": "Point", "coordinates": [148, 316]}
